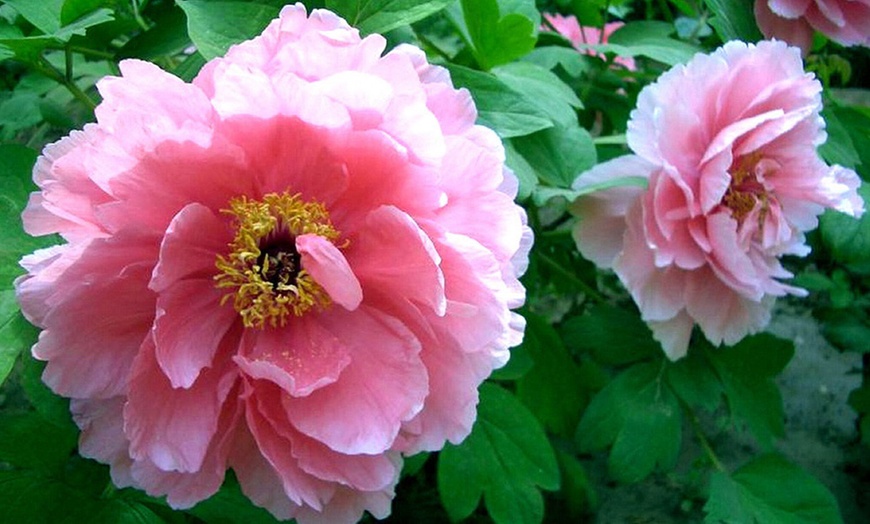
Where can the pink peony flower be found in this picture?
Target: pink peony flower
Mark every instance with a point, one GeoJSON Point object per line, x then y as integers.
{"type": "Point", "coordinates": [570, 28]}
{"type": "Point", "coordinates": [300, 266]}
{"type": "Point", "coordinates": [844, 21]}
{"type": "Point", "coordinates": [728, 145]}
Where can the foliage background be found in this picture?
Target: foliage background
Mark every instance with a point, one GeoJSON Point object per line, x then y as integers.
{"type": "Point", "coordinates": [589, 394]}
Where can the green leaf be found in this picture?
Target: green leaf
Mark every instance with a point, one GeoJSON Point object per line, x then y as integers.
{"type": "Point", "coordinates": [16, 334]}
{"type": "Point", "coordinates": [695, 381]}
{"type": "Point", "coordinates": [505, 459]}
{"type": "Point", "coordinates": [838, 148]}
{"type": "Point", "coordinates": [230, 506]}
{"type": "Point", "coordinates": [28, 441]}
{"type": "Point", "coordinates": [499, 107]}
{"type": "Point", "coordinates": [43, 14]}
{"type": "Point", "coordinates": [639, 416]}
{"type": "Point", "coordinates": [770, 490]}
{"type": "Point", "coordinates": [380, 16]}
{"type": "Point", "coordinates": [15, 186]}
{"type": "Point", "coordinates": [650, 39]}
{"type": "Point", "coordinates": [550, 57]}
{"type": "Point", "coordinates": [524, 171]}
{"type": "Point", "coordinates": [734, 20]}
{"type": "Point", "coordinates": [497, 36]}
{"type": "Point", "coordinates": [553, 390]}
{"type": "Point", "coordinates": [579, 492]}
{"type": "Point", "coordinates": [542, 88]}
{"type": "Point", "coordinates": [215, 26]}
{"type": "Point", "coordinates": [847, 329]}
{"type": "Point", "coordinates": [611, 334]}
{"type": "Point", "coordinates": [848, 238]}
{"type": "Point", "coordinates": [558, 153]}
{"type": "Point", "coordinates": [746, 371]}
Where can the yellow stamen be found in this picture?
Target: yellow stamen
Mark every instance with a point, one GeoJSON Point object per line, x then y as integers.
{"type": "Point", "coordinates": [268, 284]}
{"type": "Point", "coordinates": [745, 192]}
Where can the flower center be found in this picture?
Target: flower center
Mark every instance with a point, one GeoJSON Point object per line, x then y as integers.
{"type": "Point", "coordinates": [745, 191]}
{"type": "Point", "coordinates": [263, 270]}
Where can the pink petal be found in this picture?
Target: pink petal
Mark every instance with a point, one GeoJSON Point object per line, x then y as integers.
{"type": "Point", "coordinates": [300, 358]}
{"type": "Point", "coordinates": [102, 437]}
{"type": "Point", "coordinates": [357, 414]}
{"type": "Point", "coordinates": [674, 335]}
{"type": "Point", "coordinates": [173, 433]}
{"type": "Point", "coordinates": [327, 265]}
{"type": "Point", "coordinates": [394, 256]}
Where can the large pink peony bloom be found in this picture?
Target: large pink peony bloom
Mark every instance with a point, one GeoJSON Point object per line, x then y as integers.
{"type": "Point", "coordinates": [300, 266]}
{"type": "Point", "coordinates": [570, 28]}
{"type": "Point", "coordinates": [844, 21]}
{"type": "Point", "coordinates": [728, 145]}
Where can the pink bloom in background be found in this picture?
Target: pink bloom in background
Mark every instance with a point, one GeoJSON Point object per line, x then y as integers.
{"type": "Point", "coordinates": [727, 144]}
{"type": "Point", "coordinates": [300, 266]}
{"type": "Point", "coordinates": [844, 21]}
{"type": "Point", "coordinates": [570, 28]}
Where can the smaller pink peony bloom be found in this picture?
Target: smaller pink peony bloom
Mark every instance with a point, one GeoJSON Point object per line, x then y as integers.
{"type": "Point", "coordinates": [844, 21]}
{"type": "Point", "coordinates": [570, 28]}
{"type": "Point", "coordinates": [300, 267]}
{"type": "Point", "coordinates": [728, 144]}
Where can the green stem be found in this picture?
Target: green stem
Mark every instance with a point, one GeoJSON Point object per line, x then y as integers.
{"type": "Point", "coordinates": [45, 68]}
{"type": "Point", "coordinates": [702, 438]}
{"type": "Point", "coordinates": [555, 266]}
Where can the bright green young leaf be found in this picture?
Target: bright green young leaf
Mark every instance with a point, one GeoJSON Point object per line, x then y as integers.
{"type": "Point", "coordinates": [770, 490]}
{"type": "Point", "coordinates": [506, 459]}
{"type": "Point", "coordinates": [542, 88]}
{"type": "Point", "coordinates": [558, 153]}
{"type": "Point", "coordinates": [380, 16]}
{"type": "Point", "coordinates": [499, 107]}
{"type": "Point", "coordinates": [553, 389]}
{"type": "Point", "coordinates": [215, 26]}
{"type": "Point", "coordinates": [497, 36]}
{"type": "Point", "coordinates": [611, 334]}
{"type": "Point", "coordinates": [639, 416]}
{"type": "Point", "coordinates": [746, 371]}
{"type": "Point", "coordinates": [734, 20]}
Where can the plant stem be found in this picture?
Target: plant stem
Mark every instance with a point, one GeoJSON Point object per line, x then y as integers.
{"type": "Point", "coordinates": [555, 266]}
{"type": "Point", "coordinates": [702, 438]}
{"type": "Point", "coordinates": [44, 67]}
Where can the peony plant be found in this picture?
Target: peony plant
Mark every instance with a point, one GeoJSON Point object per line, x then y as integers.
{"type": "Point", "coordinates": [506, 261]}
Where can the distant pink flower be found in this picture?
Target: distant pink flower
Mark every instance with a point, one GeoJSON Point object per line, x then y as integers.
{"type": "Point", "coordinates": [728, 146]}
{"type": "Point", "coordinates": [300, 266]}
{"type": "Point", "coordinates": [570, 28]}
{"type": "Point", "coordinates": [844, 21]}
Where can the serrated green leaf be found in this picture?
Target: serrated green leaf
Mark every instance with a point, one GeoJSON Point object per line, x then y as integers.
{"type": "Point", "coordinates": [558, 153]}
{"type": "Point", "coordinates": [848, 238]}
{"type": "Point", "coordinates": [542, 88]}
{"type": "Point", "coordinates": [639, 416]}
{"type": "Point", "coordinates": [612, 335]}
{"type": "Point", "coordinates": [380, 16]}
{"type": "Point", "coordinates": [770, 490]}
{"type": "Point", "coordinates": [498, 106]}
{"type": "Point", "coordinates": [746, 371]}
{"type": "Point", "coordinates": [215, 26]}
{"type": "Point", "coordinates": [553, 389]}
{"type": "Point", "coordinates": [498, 36]}
{"type": "Point", "coordinates": [505, 460]}
{"type": "Point", "coordinates": [734, 20]}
